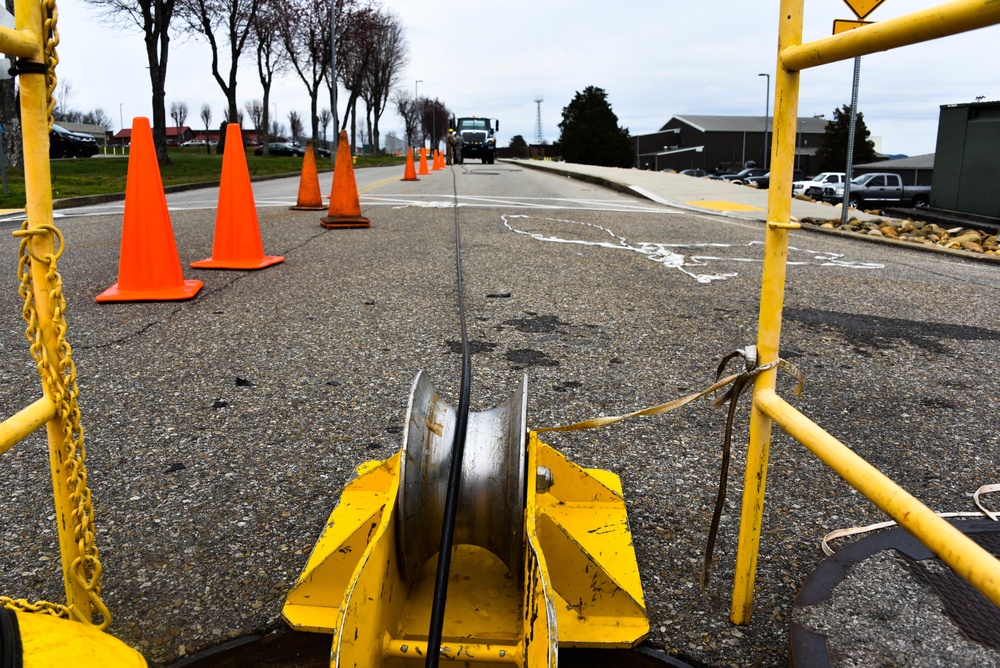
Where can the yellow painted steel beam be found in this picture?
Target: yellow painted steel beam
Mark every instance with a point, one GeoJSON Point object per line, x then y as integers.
{"type": "Point", "coordinates": [38, 195]}
{"type": "Point", "coordinates": [467, 653]}
{"type": "Point", "coordinates": [20, 43]}
{"type": "Point", "coordinates": [772, 297]}
{"type": "Point", "coordinates": [19, 425]}
{"type": "Point", "coordinates": [954, 548]}
{"type": "Point", "coordinates": [950, 18]}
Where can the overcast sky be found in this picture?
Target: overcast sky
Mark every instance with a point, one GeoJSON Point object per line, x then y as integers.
{"type": "Point", "coordinates": [655, 59]}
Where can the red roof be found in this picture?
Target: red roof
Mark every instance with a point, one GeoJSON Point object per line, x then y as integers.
{"type": "Point", "coordinates": [172, 131]}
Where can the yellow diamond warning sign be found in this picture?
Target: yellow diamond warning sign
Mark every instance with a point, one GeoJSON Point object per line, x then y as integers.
{"type": "Point", "coordinates": [863, 8]}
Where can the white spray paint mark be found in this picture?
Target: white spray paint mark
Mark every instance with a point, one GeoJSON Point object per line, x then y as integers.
{"type": "Point", "coordinates": [667, 255]}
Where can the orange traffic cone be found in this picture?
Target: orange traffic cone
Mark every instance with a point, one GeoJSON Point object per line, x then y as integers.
{"type": "Point", "coordinates": [345, 209]}
{"type": "Point", "coordinates": [237, 233]}
{"type": "Point", "coordinates": [310, 198]}
{"type": "Point", "coordinates": [149, 268]}
{"type": "Point", "coordinates": [423, 163]}
{"type": "Point", "coordinates": [411, 172]}
{"type": "Point", "coordinates": [436, 164]}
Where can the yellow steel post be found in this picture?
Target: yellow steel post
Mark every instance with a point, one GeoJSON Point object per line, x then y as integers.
{"type": "Point", "coordinates": [38, 195]}
{"type": "Point", "coordinates": [772, 294]}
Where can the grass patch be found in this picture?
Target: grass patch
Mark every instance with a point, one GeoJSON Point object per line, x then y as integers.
{"type": "Point", "coordinates": [102, 175]}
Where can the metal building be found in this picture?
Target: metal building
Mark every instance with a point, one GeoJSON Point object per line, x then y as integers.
{"type": "Point", "coordinates": [967, 162]}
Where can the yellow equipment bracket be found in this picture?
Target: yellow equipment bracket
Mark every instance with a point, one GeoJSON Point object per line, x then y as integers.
{"type": "Point", "coordinates": [352, 585]}
{"type": "Point", "coordinates": [955, 549]}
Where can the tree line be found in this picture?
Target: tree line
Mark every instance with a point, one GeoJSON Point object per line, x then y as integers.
{"type": "Point", "coordinates": [366, 55]}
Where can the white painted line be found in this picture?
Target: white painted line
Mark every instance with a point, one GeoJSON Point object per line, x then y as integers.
{"type": "Point", "coordinates": [667, 255]}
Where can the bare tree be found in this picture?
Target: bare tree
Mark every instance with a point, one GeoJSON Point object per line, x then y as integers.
{"type": "Point", "coordinates": [256, 110]}
{"type": "Point", "coordinates": [388, 56]}
{"type": "Point", "coordinates": [153, 17]}
{"type": "Point", "coordinates": [434, 118]}
{"type": "Point", "coordinates": [64, 97]}
{"type": "Point", "coordinates": [233, 21]}
{"type": "Point", "coordinates": [206, 117]}
{"type": "Point", "coordinates": [97, 117]}
{"type": "Point", "coordinates": [295, 123]}
{"type": "Point", "coordinates": [305, 38]}
{"type": "Point", "coordinates": [277, 129]}
{"type": "Point", "coordinates": [267, 45]}
{"type": "Point", "coordinates": [354, 51]}
{"type": "Point", "coordinates": [324, 121]}
{"type": "Point", "coordinates": [408, 110]}
{"type": "Point", "coordinates": [178, 112]}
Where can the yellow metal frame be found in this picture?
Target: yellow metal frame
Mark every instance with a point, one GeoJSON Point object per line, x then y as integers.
{"type": "Point", "coordinates": [352, 585]}
{"type": "Point", "coordinates": [950, 545]}
{"type": "Point", "coordinates": [26, 41]}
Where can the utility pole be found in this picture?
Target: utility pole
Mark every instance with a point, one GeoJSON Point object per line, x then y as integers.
{"type": "Point", "coordinates": [849, 171]}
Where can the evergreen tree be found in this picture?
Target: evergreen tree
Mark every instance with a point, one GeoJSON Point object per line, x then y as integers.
{"type": "Point", "coordinates": [519, 145]}
{"type": "Point", "coordinates": [832, 152]}
{"type": "Point", "coordinates": [591, 134]}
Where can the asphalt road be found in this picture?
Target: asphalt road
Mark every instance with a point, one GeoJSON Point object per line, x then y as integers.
{"type": "Point", "coordinates": [270, 386]}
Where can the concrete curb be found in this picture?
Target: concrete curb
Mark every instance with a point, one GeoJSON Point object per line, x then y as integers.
{"type": "Point", "coordinates": [629, 190]}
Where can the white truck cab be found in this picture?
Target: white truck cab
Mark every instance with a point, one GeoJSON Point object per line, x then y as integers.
{"type": "Point", "coordinates": [817, 183]}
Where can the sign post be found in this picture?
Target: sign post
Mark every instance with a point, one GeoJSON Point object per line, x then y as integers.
{"type": "Point", "coordinates": [861, 9]}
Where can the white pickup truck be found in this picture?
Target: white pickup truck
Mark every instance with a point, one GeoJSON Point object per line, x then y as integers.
{"type": "Point", "coordinates": [814, 186]}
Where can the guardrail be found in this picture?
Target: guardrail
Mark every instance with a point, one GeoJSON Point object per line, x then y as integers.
{"type": "Point", "coordinates": [963, 555]}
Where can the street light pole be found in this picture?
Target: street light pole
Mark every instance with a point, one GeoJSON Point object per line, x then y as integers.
{"type": "Point", "coordinates": [416, 98]}
{"type": "Point", "coordinates": [767, 112]}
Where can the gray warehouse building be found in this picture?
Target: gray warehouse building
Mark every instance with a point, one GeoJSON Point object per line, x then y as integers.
{"type": "Point", "coordinates": [722, 143]}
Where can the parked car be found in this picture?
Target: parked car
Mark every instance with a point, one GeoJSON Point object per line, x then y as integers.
{"type": "Point", "coordinates": [764, 182]}
{"type": "Point", "coordinates": [281, 148]}
{"type": "Point", "coordinates": [195, 142]}
{"type": "Point", "coordinates": [700, 173]}
{"type": "Point", "coordinates": [877, 190]}
{"type": "Point", "coordinates": [66, 144]}
{"type": "Point", "coordinates": [814, 186]}
{"type": "Point", "coordinates": [740, 177]}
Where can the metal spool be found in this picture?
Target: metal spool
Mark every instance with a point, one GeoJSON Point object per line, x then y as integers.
{"type": "Point", "coordinates": [492, 494]}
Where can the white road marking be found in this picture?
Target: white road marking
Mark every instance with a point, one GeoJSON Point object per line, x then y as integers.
{"type": "Point", "coordinates": [667, 255]}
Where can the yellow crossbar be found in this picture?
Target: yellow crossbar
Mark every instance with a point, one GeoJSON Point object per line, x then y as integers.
{"type": "Point", "coordinates": [943, 20]}
{"type": "Point", "coordinates": [20, 43]}
{"type": "Point", "coordinates": [17, 427]}
{"type": "Point", "coordinates": [954, 548]}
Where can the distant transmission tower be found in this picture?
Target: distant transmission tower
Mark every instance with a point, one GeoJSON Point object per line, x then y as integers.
{"type": "Point", "coordinates": [538, 122]}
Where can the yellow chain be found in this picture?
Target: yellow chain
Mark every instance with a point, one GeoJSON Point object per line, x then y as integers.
{"type": "Point", "coordinates": [51, 36]}
{"type": "Point", "coordinates": [59, 377]}
{"type": "Point", "coordinates": [40, 607]}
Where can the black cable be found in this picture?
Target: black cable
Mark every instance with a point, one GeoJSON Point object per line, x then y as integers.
{"type": "Point", "coordinates": [455, 475]}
